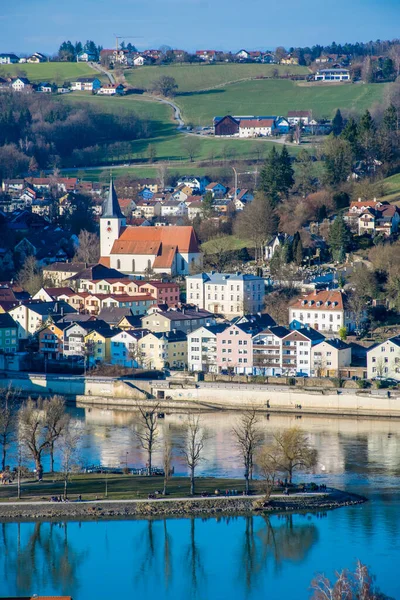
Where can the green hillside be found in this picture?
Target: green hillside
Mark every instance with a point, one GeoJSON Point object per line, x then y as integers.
{"type": "Point", "coordinates": [51, 71]}
{"type": "Point", "coordinates": [200, 77]}
{"type": "Point", "coordinates": [277, 97]}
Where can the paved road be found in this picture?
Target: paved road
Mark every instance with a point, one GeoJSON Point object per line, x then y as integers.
{"type": "Point", "coordinates": [104, 71]}
{"type": "Point", "coordinates": [137, 500]}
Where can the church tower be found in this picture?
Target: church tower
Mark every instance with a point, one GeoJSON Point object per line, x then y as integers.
{"type": "Point", "coordinates": [111, 222]}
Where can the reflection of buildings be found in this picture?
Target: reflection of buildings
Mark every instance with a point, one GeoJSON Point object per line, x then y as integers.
{"type": "Point", "coordinates": [343, 444]}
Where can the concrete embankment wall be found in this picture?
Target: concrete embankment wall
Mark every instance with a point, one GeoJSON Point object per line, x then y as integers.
{"type": "Point", "coordinates": [111, 393]}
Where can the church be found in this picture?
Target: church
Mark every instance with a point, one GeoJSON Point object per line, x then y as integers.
{"type": "Point", "coordinates": [139, 250]}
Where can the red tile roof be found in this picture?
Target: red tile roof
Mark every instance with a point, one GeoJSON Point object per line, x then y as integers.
{"type": "Point", "coordinates": [183, 237]}
{"type": "Point", "coordinates": [249, 123]}
{"type": "Point", "coordinates": [319, 300]}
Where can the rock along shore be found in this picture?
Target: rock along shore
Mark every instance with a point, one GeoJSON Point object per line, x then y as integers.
{"type": "Point", "coordinates": [178, 507]}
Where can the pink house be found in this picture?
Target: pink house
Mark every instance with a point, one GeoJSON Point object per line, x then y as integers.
{"type": "Point", "coordinates": [163, 292]}
{"type": "Point", "coordinates": [235, 349]}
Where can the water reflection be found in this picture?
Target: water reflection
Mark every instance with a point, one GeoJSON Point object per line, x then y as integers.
{"type": "Point", "coordinates": [39, 554]}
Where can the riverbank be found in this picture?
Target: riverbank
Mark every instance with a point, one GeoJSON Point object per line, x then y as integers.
{"type": "Point", "coordinates": [181, 507]}
{"type": "Point", "coordinates": [108, 392]}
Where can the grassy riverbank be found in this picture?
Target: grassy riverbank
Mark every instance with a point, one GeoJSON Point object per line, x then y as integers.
{"type": "Point", "coordinates": [119, 487]}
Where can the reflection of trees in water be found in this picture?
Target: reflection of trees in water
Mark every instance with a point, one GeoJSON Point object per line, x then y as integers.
{"type": "Point", "coordinates": [285, 541]}
{"type": "Point", "coordinates": [46, 554]}
{"type": "Point", "coordinates": [196, 569]}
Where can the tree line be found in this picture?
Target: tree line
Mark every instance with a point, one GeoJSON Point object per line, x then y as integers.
{"type": "Point", "coordinates": [38, 132]}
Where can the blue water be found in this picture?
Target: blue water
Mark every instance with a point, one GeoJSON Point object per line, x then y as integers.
{"type": "Point", "coordinates": [222, 558]}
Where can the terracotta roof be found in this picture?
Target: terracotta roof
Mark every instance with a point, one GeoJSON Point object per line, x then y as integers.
{"type": "Point", "coordinates": [135, 247]}
{"type": "Point", "coordinates": [299, 113]}
{"type": "Point", "coordinates": [166, 259]}
{"type": "Point", "coordinates": [105, 261]}
{"type": "Point", "coordinates": [184, 238]}
{"type": "Point", "coordinates": [365, 203]}
{"type": "Point", "coordinates": [319, 300]}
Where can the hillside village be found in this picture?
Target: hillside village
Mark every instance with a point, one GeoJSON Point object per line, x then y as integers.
{"type": "Point", "coordinates": [148, 303]}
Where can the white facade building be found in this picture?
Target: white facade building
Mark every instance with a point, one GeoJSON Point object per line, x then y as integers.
{"type": "Point", "coordinates": [324, 310]}
{"type": "Point", "coordinates": [332, 75]}
{"type": "Point", "coordinates": [383, 361]}
{"type": "Point", "coordinates": [225, 293]}
{"type": "Point", "coordinates": [202, 348]}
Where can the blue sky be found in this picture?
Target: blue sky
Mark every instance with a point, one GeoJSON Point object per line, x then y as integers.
{"type": "Point", "coordinates": [41, 25]}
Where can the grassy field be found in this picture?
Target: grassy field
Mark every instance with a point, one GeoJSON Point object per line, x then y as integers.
{"type": "Point", "coordinates": [225, 244]}
{"type": "Point", "coordinates": [392, 188]}
{"type": "Point", "coordinates": [277, 97]}
{"type": "Point", "coordinates": [58, 72]}
{"type": "Point", "coordinates": [169, 144]}
{"type": "Point", "coordinates": [119, 487]}
{"type": "Point", "coordinates": [200, 77]}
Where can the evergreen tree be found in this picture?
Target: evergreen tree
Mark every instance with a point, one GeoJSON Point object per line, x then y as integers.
{"type": "Point", "coordinates": [350, 134]}
{"type": "Point", "coordinates": [287, 172]}
{"type": "Point", "coordinates": [337, 123]}
{"type": "Point", "coordinates": [366, 123]}
{"type": "Point", "coordinates": [391, 118]}
{"type": "Point", "coordinates": [339, 238]}
{"type": "Point", "coordinates": [298, 257]}
{"type": "Point", "coordinates": [207, 205]}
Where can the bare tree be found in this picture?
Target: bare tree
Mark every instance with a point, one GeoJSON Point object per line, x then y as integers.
{"type": "Point", "coordinates": [193, 446]}
{"type": "Point", "coordinates": [88, 250]}
{"type": "Point", "coordinates": [35, 434]}
{"type": "Point", "coordinates": [162, 175]}
{"type": "Point", "coordinates": [30, 276]}
{"type": "Point", "coordinates": [9, 399]}
{"type": "Point", "coordinates": [69, 443]}
{"type": "Point", "coordinates": [290, 450]}
{"type": "Point", "coordinates": [147, 434]}
{"type": "Point", "coordinates": [359, 585]}
{"type": "Point", "coordinates": [248, 438]}
{"type": "Point", "coordinates": [56, 422]}
{"type": "Point", "coordinates": [167, 460]}
{"type": "Point", "coordinates": [190, 145]}
{"type": "Point", "coordinates": [267, 468]}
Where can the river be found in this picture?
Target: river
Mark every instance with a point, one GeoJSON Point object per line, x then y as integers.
{"type": "Point", "coordinates": [218, 558]}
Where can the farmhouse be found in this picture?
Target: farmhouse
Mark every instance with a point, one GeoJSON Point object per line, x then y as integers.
{"type": "Point", "coordinates": [85, 56]}
{"type": "Point", "coordinates": [8, 59]}
{"type": "Point", "coordinates": [86, 84]}
{"type": "Point", "coordinates": [296, 116]}
{"type": "Point", "coordinates": [20, 84]}
{"type": "Point", "coordinates": [257, 127]}
{"type": "Point", "coordinates": [332, 75]}
{"type": "Point", "coordinates": [112, 89]}
{"type": "Point", "coordinates": [36, 58]}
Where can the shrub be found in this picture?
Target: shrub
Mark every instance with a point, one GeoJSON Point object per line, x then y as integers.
{"type": "Point", "coordinates": [337, 381]}
{"type": "Point", "coordinates": [291, 381]}
{"type": "Point", "coordinates": [363, 384]}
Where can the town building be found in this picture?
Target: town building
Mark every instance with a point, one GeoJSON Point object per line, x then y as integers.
{"type": "Point", "coordinates": [279, 351]}
{"type": "Point", "coordinates": [229, 294]}
{"type": "Point", "coordinates": [332, 75]}
{"type": "Point", "coordinates": [296, 116]}
{"type": "Point", "coordinates": [235, 349]}
{"type": "Point", "coordinates": [59, 272]}
{"type": "Point", "coordinates": [8, 334]}
{"type": "Point", "coordinates": [125, 348]}
{"type": "Point", "coordinates": [258, 127]}
{"type": "Point", "coordinates": [202, 348]}
{"type": "Point", "coordinates": [166, 349]}
{"type": "Point", "coordinates": [325, 310]}
{"type": "Point", "coordinates": [383, 360]}
{"type": "Point", "coordinates": [31, 316]}
{"type": "Point", "coordinates": [183, 319]}
{"type": "Point", "coordinates": [329, 356]}
{"type": "Point", "coordinates": [172, 250]}
{"type": "Point", "coordinates": [8, 59]}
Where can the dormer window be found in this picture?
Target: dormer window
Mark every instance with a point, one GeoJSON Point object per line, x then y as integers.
{"type": "Point", "coordinates": [319, 303]}
{"type": "Point", "coordinates": [327, 303]}
{"type": "Point", "coordinates": [304, 302]}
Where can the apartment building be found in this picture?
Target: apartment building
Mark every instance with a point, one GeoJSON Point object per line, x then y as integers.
{"type": "Point", "coordinates": [325, 310]}
{"type": "Point", "coordinates": [202, 348]}
{"type": "Point", "coordinates": [229, 294]}
{"type": "Point", "coordinates": [383, 360]}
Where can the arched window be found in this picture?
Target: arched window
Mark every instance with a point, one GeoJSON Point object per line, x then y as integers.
{"type": "Point", "coordinates": [133, 265]}
{"type": "Point", "coordinates": [118, 264]}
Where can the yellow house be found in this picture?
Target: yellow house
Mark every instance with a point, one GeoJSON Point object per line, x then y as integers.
{"type": "Point", "coordinates": [290, 60]}
{"type": "Point", "coordinates": [98, 345]}
{"type": "Point", "coordinates": [167, 349]}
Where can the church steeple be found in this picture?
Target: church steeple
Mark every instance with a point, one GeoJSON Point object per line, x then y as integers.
{"type": "Point", "coordinates": [111, 207]}
{"type": "Point", "coordinates": [111, 222]}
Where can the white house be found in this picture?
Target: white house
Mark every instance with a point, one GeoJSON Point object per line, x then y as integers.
{"type": "Point", "coordinates": [202, 348]}
{"type": "Point", "coordinates": [275, 243]}
{"type": "Point", "coordinates": [296, 116]}
{"type": "Point", "coordinates": [332, 75]}
{"type": "Point", "coordinates": [325, 310]}
{"type": "Point", "coordinates": [36, 57]}
{"type": "Point", "coordinates": [20, 84]}
{"type": "Point", "coordinates": [86, 84]}
{"type": "Point", "coordinates": [111, 89]}
{"type": "Point", "coordinates": [242, 55]}
{"type": "Point", "coordinates": [383, 360]}
{"type": "Point", "coordinates": [329, 356]}
{"type": "Point", "coordinates": [257, 127]}
{"type": "Point", "coordinates": [85, 56]}
{"type": "Point", "coordinates": [8, 59]}
{"type": "Point", "coordinates": [74, 339]}
{"type": "Point", "coordinates": [174, 208]}
{"type": "Point", "coordinates": [226, 293]}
